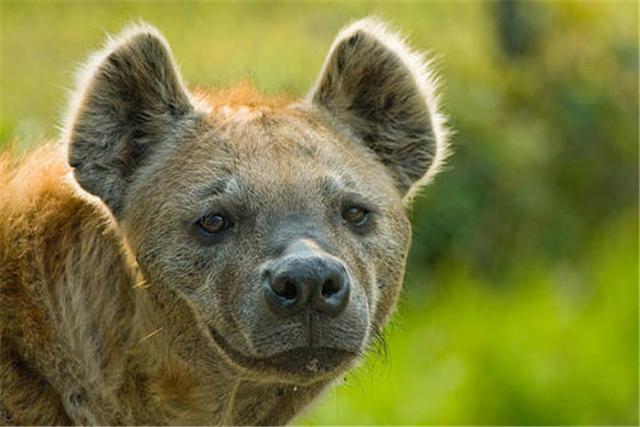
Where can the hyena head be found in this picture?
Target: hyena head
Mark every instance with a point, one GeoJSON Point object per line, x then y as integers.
{"type": "Point", "coordinates": [283, 226]}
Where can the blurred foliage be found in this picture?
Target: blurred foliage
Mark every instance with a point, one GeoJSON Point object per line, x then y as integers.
{"type": "Point", "coordinates": [521, 299]}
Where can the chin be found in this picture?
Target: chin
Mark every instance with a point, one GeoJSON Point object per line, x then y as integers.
{"type": "Point", "coordinates": [300, 366]}
{"type": "Point", "coordinates": [307, 365]}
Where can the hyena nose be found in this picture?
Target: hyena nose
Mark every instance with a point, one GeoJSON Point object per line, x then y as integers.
{"type": "Point", "coordinates": [317, 281]}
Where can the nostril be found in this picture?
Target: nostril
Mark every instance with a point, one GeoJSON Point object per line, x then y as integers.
{"type": "Point", "coordinates": [333, 296]}
{"type": "Point", "coordinates": [286, 289]}
{"type": "Point", "coordinates": [284, 295]}
{"type": "Point", "coordinates": [330, 287]}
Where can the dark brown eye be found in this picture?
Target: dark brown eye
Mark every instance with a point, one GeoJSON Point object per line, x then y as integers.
{"type": "Point", "coordinates": [214, 223]}
{"type": "Point", "coordinates": [355, 215]}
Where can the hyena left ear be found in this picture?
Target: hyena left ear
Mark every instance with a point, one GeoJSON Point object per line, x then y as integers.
{"type": "Point", "coordinates": [130, 102]}
{"type": "Point", "coordinates": [375, 86]}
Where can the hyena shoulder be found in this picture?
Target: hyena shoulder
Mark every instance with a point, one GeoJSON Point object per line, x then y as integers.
{"type": "Point", "coordinates": [58, 320]}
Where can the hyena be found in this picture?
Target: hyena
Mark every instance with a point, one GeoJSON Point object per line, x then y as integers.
{"type": "Point", "coordinates": [191, 258]}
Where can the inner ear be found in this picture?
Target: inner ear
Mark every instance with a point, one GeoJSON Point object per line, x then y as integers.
{"type": "Point", "coordinates": [131, 101]}
{"type": "Point", "coordinates": [373, 84]}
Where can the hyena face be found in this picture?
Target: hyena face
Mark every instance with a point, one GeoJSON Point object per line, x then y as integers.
{"type": "Point", "coordinates": [283, 227]}
{"type": "Point", "coordinates": [288, 243]}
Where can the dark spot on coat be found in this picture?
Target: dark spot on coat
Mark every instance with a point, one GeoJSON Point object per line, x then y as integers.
{"type": "Point", "coordinates": [79, 398]}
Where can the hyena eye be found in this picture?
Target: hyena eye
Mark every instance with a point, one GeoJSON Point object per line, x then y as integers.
{"type": "Point", "coordinates": [356, 215]}
{"type": "Point", "coordinates": [214, 223]}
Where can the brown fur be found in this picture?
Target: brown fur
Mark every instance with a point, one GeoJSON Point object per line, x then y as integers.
{"type": "Point", "coordinates": [112, 313]}
{"type": "Point", "coordinates": [243, 94]}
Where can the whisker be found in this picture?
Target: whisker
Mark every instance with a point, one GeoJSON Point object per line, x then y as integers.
{"type": "Point", "coordinates": [149, 335]}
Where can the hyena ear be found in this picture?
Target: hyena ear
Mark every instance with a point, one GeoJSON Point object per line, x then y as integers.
{"type": "Point", "coordinates": [130, 100]}
{"type": "Point", "coordinates": [379, 89]}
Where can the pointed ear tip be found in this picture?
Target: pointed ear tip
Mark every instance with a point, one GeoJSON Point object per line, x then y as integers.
{"type": "Point", "coordinates": [370, 23]}
{"type": "Point", "coordinates": [136, 31]}
{"type": "Point", "coordinates": [373, 26]}
{"type": "Point", "coordinates": [421, 65]}
{"type": "Point", "coordinates": [85, 71]}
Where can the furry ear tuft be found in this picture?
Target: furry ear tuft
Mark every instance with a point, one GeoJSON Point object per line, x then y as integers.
{"type": "Point", "coordinates": [385, 94]}
{"type": "Point", "coordinates": [130, 98]}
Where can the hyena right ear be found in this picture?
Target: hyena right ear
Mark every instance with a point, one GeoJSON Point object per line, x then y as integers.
{"type": "Point", "coordinates": [130, 101]}
{"type": "Point", "coordinates": [376, 87]}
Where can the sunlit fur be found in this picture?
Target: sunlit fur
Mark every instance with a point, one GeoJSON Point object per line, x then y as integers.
{"type": "Point", "coordinates": [101, 323]}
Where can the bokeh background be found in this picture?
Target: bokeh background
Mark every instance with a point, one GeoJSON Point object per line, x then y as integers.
{"type": "Point", "coordinates": [521, 299]}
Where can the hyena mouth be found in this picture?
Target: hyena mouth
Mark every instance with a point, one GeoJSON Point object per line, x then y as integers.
{"type": "Point", "coordinates": [299, 365]}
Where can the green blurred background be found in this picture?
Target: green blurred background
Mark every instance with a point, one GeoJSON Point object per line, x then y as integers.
{"type": "Point", "coordinates": [521, 299]}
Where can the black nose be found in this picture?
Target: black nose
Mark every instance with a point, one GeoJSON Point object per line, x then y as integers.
{"type": "Point", "coordinates": [307, 279]}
